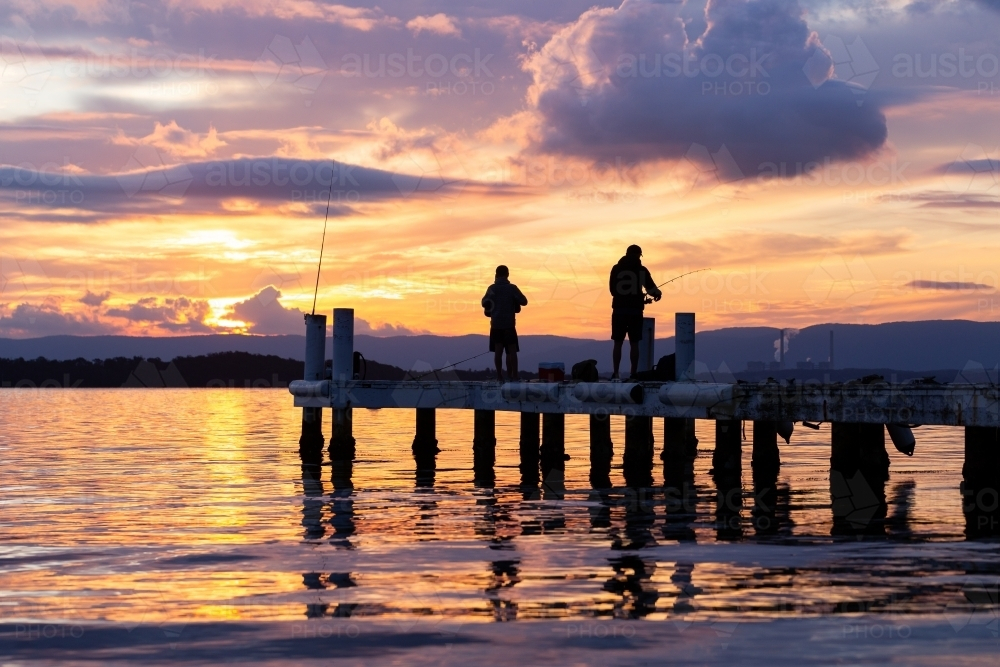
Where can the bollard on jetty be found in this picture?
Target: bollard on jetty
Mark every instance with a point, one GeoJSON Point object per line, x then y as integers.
{"type": "Point", "coordinates": [342, 440]}
{"type": "Point", "coordinates": [315, 369]}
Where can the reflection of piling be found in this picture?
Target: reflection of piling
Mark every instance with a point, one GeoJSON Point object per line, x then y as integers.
{"type": "Point", "coordinates": [981, 481]}
{"type": "Point", "coordinates": [553, 452]}
{"type": "Point", "coordinates": [637, 460]}
{"type": "Point", "coordinates": [529, 443]}
{"type": "Point", "coordinates": [601, 451]}
{"type": "Point", "coordinates": [484, 446]}
{"type": "Point", "coordinates": [315, 369]}
{"type": "Point", "coordinates": [859, 469]}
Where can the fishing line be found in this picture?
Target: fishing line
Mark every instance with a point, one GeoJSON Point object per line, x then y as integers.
{"type": "Point", "coordinates": [449, 366]}
{"type": "Point", "coordinates": [322, 245]}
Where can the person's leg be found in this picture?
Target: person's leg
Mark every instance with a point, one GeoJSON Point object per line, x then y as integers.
{"type": "Point", "coordinates": [633, 354]}
{"type": "Point", "coordinates": [616, 357]}
{"type": "Point", "coordinates": [512, 362]}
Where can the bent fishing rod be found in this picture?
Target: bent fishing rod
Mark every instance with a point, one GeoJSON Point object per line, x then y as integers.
{"type": "Point", "coordinates": [648, 300]}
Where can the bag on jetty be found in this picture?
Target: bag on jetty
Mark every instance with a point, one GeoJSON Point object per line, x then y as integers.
{"type": "Point", "coordinates": [663, 371]}
{"type": "Point", "coordinates": [585, 371]}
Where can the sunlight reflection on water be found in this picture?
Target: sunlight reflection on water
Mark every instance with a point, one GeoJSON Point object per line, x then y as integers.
{"type": "Point", "coordinates": [147, 506]}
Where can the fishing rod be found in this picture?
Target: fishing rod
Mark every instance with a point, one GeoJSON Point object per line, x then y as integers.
{"type": "Point", "coordinates": [682, 275]}
{"type": "Point", "coordinates": [648, 300]}
{"type": "Point", "coordinates": [435, 370]}
{"type": "Point", "coordinates": [326, 218]}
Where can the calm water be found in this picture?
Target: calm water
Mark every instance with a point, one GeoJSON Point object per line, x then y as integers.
{"type": "Point", "coordinates": [184, 506]}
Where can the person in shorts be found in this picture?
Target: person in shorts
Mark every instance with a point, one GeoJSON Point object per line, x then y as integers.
{"type": "Point", "coordinates": [502, 301]}
{"type": "Point", "coordinates": [628, 279]}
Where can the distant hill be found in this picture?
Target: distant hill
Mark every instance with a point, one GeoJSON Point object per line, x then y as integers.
{"type": "Point", "coordinates": [217, 370]}
{"type": "Point", "coordinates": [904, 346]}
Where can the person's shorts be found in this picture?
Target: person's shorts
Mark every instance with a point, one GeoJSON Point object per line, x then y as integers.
{"type": "Point", "coordinates": [503, 339]}
{"type": "Point", "coordinates": [624, 323]}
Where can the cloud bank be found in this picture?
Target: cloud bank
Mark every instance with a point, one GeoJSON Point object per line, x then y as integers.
{"type": "Point", "coordinates": [630, 83]}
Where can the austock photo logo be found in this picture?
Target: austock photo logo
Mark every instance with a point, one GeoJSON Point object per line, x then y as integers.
{"type": "Point", "coordinates": [853, 64]}
{"type": "Point", "coordinates": [297, 64]}
{"type": "Point", "coordinates": [146, 172]}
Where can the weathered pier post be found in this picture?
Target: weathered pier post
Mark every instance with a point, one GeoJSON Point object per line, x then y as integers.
{"type": "Point", "coordinates": [727, 471]}
{"type": "Point", "coordinates": [727, 458]}
{"type": "Point", "coordinates": [859, 469]}
{"type": "Point", "coordinates": [601, 451]}
{"type": "Point", "coordinates": [425, 443]}
{"type": "Point", "coordinates": [765, 456]}
{"type": "Point", "coordinates": [484, 446]}
{"type": "Point", "coordinates": [765, 462]}
{"type": "Point", "coordinates": [342, 441]}
{"type": "Point", "coordinates": [981, 481]}
{"type": "Point", "coordinates": [684, 369]}
{"type": "Point", "coordinates": [315, 369]}
{"type": "Point", "coordinates": [553, 452]}
{"type": "Point", "coordinates": [529, 444]}
{"type": "Point", "coordinates": [637, 459]}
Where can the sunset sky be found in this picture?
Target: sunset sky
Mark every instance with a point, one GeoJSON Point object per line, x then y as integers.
{"type": "Point", "coordinates": [165, 164]}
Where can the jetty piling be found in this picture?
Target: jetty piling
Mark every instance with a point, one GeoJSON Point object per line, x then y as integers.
{"type": "Point", "coordinates": [342, 443]}
{"type": "Point", "coordinates": [858, 412]}
{"type": "Point", "coordinates": [529, 445]}
{"type": "Point", "coordinates": [315, 370]}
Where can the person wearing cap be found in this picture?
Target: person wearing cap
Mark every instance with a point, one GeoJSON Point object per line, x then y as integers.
{"type": "Point", "coordinates": [503, 299]}
{"type": "Point", "coordinates": [628, 279]}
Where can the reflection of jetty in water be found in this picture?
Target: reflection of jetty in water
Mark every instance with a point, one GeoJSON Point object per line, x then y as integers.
{"type": "Point", "coordinates": [642, 514]}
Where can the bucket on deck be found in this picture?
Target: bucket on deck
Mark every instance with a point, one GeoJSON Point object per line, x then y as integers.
{"type": "Point", "coordinates": [551, 371]}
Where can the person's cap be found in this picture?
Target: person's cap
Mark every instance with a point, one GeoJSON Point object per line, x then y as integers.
{"type": "Point", "coordinates": [634, 250]}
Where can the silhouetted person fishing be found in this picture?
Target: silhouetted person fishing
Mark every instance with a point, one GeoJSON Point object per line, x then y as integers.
{"type": "Point", "coordinates": [503, 299]}
{"type": "Point", "coordinates": [628, 278]}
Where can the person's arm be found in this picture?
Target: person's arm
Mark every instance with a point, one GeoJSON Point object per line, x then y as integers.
{"type": "Point", "coordinates": [611, 281]}
{"type": "Point", "coordinates": [488, 297]}
{"type": "Point", "coordinates": [521, 299]}
{"type": "Point", "coordinates": [651, 287]}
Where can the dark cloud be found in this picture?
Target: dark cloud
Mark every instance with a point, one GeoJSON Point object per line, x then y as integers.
{"type": "Point", "coordinates": [264, 314]}
{"type": "Point", "coordinates": [613, 85]}
{"type": "Point", "coordinates": [175, 315]}
{"type": "Point", "coordinates": [92, 299]}
{"type": "Point", "coordinates": [948, 285]}
{"type": "Point", "coordinates": [155, 188]}
{"type": "Point", "coordinates": [46, 319]}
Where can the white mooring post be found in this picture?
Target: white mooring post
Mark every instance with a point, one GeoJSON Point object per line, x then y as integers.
{"type": "Point", "coordinates": [315, 363]}
{"type": "Point", "coordinates": [647, 344]}
{"type": "Point", "coordinates": [343, 345]}
{"type": "Point", "coordinates": [684, 345]}
{"type": "Point", "coordinates": [342, 441]}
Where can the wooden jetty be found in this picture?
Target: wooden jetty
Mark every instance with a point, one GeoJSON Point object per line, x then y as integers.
{"type": "Point", "coordinates": [860, 413]}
